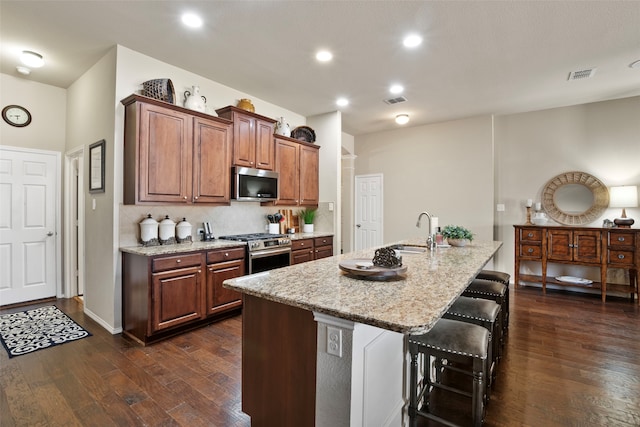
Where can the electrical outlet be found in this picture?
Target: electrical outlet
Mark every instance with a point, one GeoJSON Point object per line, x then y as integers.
{"type": "Point", "coordinates": [334, 341]}
{"type": "Point", "coordinates": [500, 207]}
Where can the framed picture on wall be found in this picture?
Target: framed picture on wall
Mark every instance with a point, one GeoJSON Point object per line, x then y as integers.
{"type": "Point", "coordinates": [96, 167]}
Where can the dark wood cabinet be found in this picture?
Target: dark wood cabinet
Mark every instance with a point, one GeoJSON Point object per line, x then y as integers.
{"type": "Point", "coordinates": [604, 248]}
{"type": "Point", "coordinates": [174, 155]}
{"type": "Point", "coordinates": [252, 138]}
{"type": "Point", "coordinates": [223, 264]}
{"type": "Point", "coordinates": [304, 250]}
{"type": "Point", "coordinates": [165, 295]}
{"type": "Point", "coordinates": [297, 164]}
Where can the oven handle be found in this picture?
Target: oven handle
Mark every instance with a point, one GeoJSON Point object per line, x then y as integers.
{"type": "Point", "coordinates": [269, 252]}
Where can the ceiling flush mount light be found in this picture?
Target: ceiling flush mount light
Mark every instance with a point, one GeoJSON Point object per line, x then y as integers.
{"type": "Point", "coordinates": [31, 59]}
{"type": "Point", "coordinates": [635, 64]}
{"type": "Point", "coordinates": [23, 70]}
{"type": "Point", "coordinates": [342, 102]}
{"type": "Point", "coordinates": [396, 89]}
{"type": "Point", "coordinates": [402, 119]}
{"type": "Point", "coordinates": [412, 40]}
{"type": "Point", "coordinates": [324, 56]}
{"type": "Point", "coordinates": [191, 20]}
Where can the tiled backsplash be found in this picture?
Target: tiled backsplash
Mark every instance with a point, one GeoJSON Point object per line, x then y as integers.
{"type": "Point", "coordinates": [239, 218]}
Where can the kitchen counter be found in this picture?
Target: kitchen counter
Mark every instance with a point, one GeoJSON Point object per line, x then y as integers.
{"type": "Point", "coordinates": [300, 236]}
{"type": "Point", "coordinates": [409, 305]}
{"type": "Point", "coordinates": [335, 345]}
{"type": "Point", "coordinates": [180, 247]}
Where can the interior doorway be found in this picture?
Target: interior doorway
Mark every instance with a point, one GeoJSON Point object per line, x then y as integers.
{"type": "Point", "coordinates": [74, 223]}
{"type": "Point", "coordinates": [368, 211]}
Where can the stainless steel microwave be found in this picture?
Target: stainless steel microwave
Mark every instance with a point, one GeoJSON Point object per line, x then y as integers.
{"type": "Point", "coordinates": [254, 185]}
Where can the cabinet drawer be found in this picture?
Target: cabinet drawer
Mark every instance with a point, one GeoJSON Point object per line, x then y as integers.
{"type": "Point", "coordinates": [301, 244]}
{"type": "Point", "coordinates": [531, 234]}
{"type": "Point", "coordinates": [530, 251]}
{"type": "Point", "coordinates": [178, 261]}
{"type": "Point", "coordinates": [618, 238]}
{"type": "Point", "coordinates": [620, 257]}
{"type": "Point", "coordinates": [225, 255]}
{"type": "Point", "coordinates": [322, 241]}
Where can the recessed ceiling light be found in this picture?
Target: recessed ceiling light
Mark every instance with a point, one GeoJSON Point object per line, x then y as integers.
{"type": "Point", "coordinates": [191, 20]}
{"type": "Point", "coordinates": [23, 70]}
{"type": "Point", "coordinates": [402, 119]}
{"type": "Point", "coordinates": [342, 102]}
{"type": "Point", "coordinates": [412, 40]}
{"type": "Point", "coordinates": [31, 59]}
{"type": "Point", "coordinates": [324, 56]}
{"type": "Point", "coordinates": [396, 89]}
{"type": "Point", "coordinates": [635, 64]}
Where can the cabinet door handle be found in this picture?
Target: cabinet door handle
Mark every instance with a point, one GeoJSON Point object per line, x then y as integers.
{"type": "Point", "coordinates": [570, 245]}
{"type": "Point", "coordinates": [620, 256]}
{"type": "Point", "coordinates": [226, 254]}
{"type": "Point", "coordinates": [185, 197]}
{"type": "Point", "coordinates": [530, 235]}
{"type": "Point", "coordinates": [620, 239]}
{"type": "Point", "coordinates": [177, 261]}
{"type": "Point", "coordinates": [196, 197]}
{"type": "Point", "coordinates": [530, 250]}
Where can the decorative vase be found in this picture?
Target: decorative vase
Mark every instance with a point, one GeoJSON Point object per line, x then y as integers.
{"type": "Point", "coordinates": [307, 228]}
{"type": "Point", "coordinates": [194, 101]}
{"type": "Point", "coordinates": [245, 104]}
{"type": "Point", "coordinates": [282, 128]}
{"type": "Point", "coordinates": [458, 242]}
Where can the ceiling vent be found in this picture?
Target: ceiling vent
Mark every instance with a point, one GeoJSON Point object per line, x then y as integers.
{"type": "Point", "coordinates": [582, 74]}
{"type": "Point", "coordinates": [396, 100]}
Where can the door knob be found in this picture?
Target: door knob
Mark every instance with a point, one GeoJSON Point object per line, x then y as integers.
{"type": "Point", "coordinates": [358, 225]}
{"type": "Point", "coordinates": [50, 233]}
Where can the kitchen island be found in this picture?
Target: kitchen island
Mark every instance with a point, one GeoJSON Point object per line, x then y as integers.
{"type": "Point", "coordinates": [327, 349]}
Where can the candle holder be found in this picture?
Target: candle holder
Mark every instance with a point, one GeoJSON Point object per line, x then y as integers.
{"type": "Point", "coordinates": [528, 216]}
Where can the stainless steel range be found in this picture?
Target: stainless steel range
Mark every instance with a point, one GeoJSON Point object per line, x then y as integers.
{"type": "Point", "coordinates": [265, 251]}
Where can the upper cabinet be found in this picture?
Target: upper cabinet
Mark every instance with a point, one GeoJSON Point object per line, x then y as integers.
{"type": "Point", "coordinates": [252, 138]}
{"type": "Point", "coordinates": [297, 166]}
{"type": "Point", "coordinates": [174, 155]}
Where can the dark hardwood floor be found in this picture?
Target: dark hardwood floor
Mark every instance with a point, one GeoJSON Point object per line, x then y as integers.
{"type": "Point", "coordinates": [569, 361]}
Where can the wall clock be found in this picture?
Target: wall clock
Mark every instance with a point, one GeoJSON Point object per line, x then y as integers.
{"type": "Point", "coordinates": [16, 115]}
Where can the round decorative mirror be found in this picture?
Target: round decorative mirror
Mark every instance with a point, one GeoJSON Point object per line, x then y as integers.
{"type": "Point", "coordinates": [575, 198]}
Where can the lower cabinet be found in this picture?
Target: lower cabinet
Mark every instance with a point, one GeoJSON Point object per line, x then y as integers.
{"type": "Point", "coordinates": [167, 294]}
{"type": "Point", "coordinates": [304, 250]}
{"type": "Point", "coordinates": [223, 265]}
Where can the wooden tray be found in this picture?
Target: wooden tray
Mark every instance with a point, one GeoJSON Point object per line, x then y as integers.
{"type": "Point", "coordinates": [353, 267]}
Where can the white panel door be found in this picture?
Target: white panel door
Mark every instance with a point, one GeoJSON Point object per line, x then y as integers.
{"type": "Point", "coordinates": [28, 198]}
{"type": "Point", "coordinates": [368, 211]}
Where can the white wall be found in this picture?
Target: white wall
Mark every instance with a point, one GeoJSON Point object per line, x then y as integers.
{"type": "Point", "coordinates": [443, 168]}
{"type": "Point", "coordinates": [90, 113]}
{"type": "Point", "coordinates": [601, 138]}
{"type": "Point", "coordinates": [48, 114]}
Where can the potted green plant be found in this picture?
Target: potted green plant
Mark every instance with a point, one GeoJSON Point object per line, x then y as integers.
{"type": "Point", "coordinates": [457, 235]}
{"type": "Point", "coordinates": [308, 215]}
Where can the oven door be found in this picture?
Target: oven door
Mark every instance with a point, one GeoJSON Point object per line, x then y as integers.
{"type": "Point", "coordinates": [269, 259]}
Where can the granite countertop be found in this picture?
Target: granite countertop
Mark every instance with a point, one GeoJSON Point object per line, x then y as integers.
{"type": "Point", "coordinates": [300, 236]}
{"type": "Point", "coordinates": [410, 304]}
{"type": "Point", "coordinates": [180, 247]}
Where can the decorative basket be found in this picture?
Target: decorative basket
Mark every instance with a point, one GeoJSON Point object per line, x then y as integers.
{"type": "Point", "coordinates": [304, 133]}
{"type": "Point", "coordinates": [161, 89]}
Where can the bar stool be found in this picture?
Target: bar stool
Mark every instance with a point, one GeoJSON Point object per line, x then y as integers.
{"type": "Point", "coordinates": [495, 291]}
{"type": "Point", "coordinates": [484, 313]}
{"type": "Point", "coordinates": [458, 342]}
{"type": "Point", "coordinates": [501, 277]}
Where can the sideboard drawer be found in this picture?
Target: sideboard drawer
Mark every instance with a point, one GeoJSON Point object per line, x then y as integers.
{"type": "Point", "coordinates": [620, 238]}
{"type": "Point", "coordinates": [530, 251]}
{"type": "Point", "coordinates": [620, 257]}
{"type": "Point", "coordinates": [531, 235]}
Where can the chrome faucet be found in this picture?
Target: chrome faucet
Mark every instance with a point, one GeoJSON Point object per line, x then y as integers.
{"type": "Point", "coordinates": [431, 239]}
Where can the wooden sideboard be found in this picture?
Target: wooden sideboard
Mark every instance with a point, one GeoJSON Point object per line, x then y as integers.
{"type": "Point", "coordinates": [604, 248]}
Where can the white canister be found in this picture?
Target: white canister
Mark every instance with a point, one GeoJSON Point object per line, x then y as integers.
{"type": "Point", "coordinates": [167, 231]}
{"type": "Point", "coordinates": [149, 231]}
{"type": "Point", "coordinates": [183, 231]}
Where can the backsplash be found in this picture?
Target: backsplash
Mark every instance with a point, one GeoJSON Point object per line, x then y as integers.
{"type": "Point", "coordinates": [238, 218]}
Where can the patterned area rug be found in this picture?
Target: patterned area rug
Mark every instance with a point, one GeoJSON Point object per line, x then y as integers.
{"type": "Point", "coordinates": [32, 330]}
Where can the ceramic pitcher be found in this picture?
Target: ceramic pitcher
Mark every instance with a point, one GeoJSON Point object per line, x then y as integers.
{"type": "Point", "coordinates": [282, 128]}
{"type": "Point", "coordinates": [194, 101]}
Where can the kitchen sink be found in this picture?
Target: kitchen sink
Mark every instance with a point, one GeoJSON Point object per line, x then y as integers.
{"type": "Point", "coordinates": [409, 249]}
